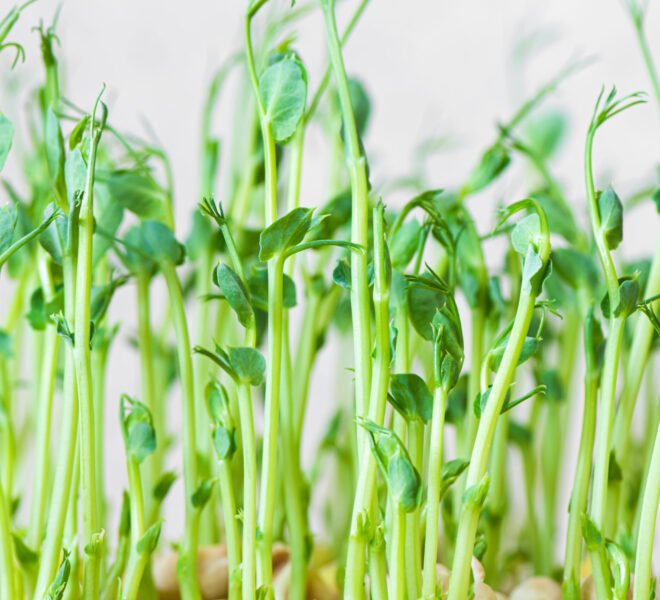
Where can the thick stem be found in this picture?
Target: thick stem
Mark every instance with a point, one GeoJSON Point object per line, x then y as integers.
{"type": "Point", "coordinates": [398, 565]}
{"type": "Point", "coordinates": [61, 493]}
{"type": "Point", "coordinates": [231, 528]}
{"type": "Point", "coordinates": [433, 495]}
{"type": "Point", "coordinates": [459, 582]}
{"type": "Point", "coordinates": [137, 561]}
{"type": "Point", "coordinates": [186, 568]}
{"type": "Point", "coordinates": [580, 493]}
{"type": "Point", "coordinates": [7, 574]}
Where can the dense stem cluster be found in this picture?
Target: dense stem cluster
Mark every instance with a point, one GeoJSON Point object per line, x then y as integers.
{"type": "Point", "coordinates": [446, 363]}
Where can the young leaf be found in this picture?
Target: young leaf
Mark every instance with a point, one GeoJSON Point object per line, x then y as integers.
{"type": "Point", "coordinates": [404, 244]}
{"type": "Point", "coordinates": [526, 232]}
{"type": "Point", "coordinates": [424, 300]}
{"type": "Point", "coordinates": [8, 220]}
{"type": "Point", "coordinates": [283, 90]}
{"type": "Point", "coordinates": [137, 192]}
{"type": "Point", "coordinates": [611, 217]}
{"type": "Point", "coordinates": [75, 175]}
{"type": "Point", "coordinates": [411, 397]}
{"type": "Point", "coordinates": [341, 274]}
{"type": "Point", "coordinates": [627, 298]}
{"type": "Point", "coordinates": [403, 481]}
{"type": "Point", "coordinates": [224, 442]}
{"type": "Point", "coordinates": [492, 164]}
{"type": "Point", "coordinates": [25, 555]}
{"type": "Point", "coordinates": [258, 285]}
{"type": "Point", "coordinates": [202, 494]}
{"type": "Point", "coordinates": [149, 541]}
{"type": "Point", "coordinates": [235, 293]}
{"type": "Point", "coordinates": [450, 472]}
{"type": "Point", "coordinates": [529, 347]}
{"type": "Point", "coordinates": [6, 137]}
{"type": "Point", "coordinates": [248, 364]}
{"type": "Point", "coordinates": [54, 239]}
{"type": "Point", "coordinates": [124, 528]}
{"type": "Point", "coordinates": [284, 233]}
{"type": "Point", "coordinates": [57, 588]}
{"type": "Point", "coordinates": [160, 243]}
{"type": "Point", "coordinates": [475, 495]}
{"type": "Point", "coordinates": [137, 428]}
{"type": "Point", "coordinates": [163, 485]}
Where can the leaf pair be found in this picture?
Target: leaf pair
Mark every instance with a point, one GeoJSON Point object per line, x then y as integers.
{"type": "Point", "coordinates": [403, 480]}
{"type": "Point", "coordinates": [137, 428]}
{"type": "Point", "coordinates": [223, 428]}
{"type": "Point", "coordinates": [243, 365]}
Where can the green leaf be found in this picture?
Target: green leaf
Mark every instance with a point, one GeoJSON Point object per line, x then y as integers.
{"type": "Point", "coordinates": [95, 545]}
{"type": "Point", "coordinates": [403, 481]}
{"type": "Point", "coordinates": [202, 494]}
{"type": "Point", "coordinates": [258, 285]}
{"type": "Point", "coordinates": [341, 274]}
{"type": "Point", "coordinates": [6, 138]}
{"type": "Point", "coordinates": [124, 528]}
{"type": "Point", "coordinates": [249, 365]}
{"type": "Point", "coordinates": [411, 397]}
{"type": "Point", "coordinates": [423, 303]}
{"type": "Point", "coordinates": [283, 90]}
{"type": "Point", "coordinates": [628, 296]}
{"type": "Point", "coordinates": [361, 105]}
{"type": "Point", "coordinates": [404, 244]}
{"type": "Point", "coordinates": [138, 192]}
{"type": "Point", "coordinates": [58, 586]}
{"type": "Point", "coordinates": [527, 232]}
{"type": "Point", "coordinates": [611, 217]}
{"type": "Point", "coordinates": [560, 218]}
{"type": "Point", "coordinates": [336, 213]}
{"type": "Point", "coordinates": [284, 233]}
{"type": "Point", "coordinates": [534, 272]}
{"type": "Point", "coordinates": [25, 555]}
{"type": "Point", "coordinates": [450, 472]}
{"type": "Point", "coordinates": [545, 133]}
{"type": "Point", "coordinates": [224, 442]}
{"type": "Point", "coordinates": [163, 485]}
{"type": "Point", "coordinates": [655, 198]}
{"type": "Point", "coordinates": [475, 495]}
{"type": "Point", "coordinates": [490, 167]}
{"type": "Point", "coordinates": [529, 347]}
{"type": "Point", "coordinates": [40, 311]}
{"type": "Point", "coordinates": [160, 244]}
{"type": "Point", "coordinates": [63, 328]}
{"type": "Point", "coordinates": [108, 216]}
{"type": "Point", "coordinates": [593, 538]}
{"type": "Point", "coordinates": [149, 541]}
{"type": "Point", "coordinates": [55, 238]}
{"type": "Point", "coordinates": [75, 175]}
{"type": "Point", "coordinates": [78, 132]}
{"type": "Point", "coordinates": [235, 293]}
{"type": "Point", "coordinates": [576, 268]}
{"type": "Point", "coordinates": [137, 428]}
{"type": "Point", "coordinates": [8, 220]}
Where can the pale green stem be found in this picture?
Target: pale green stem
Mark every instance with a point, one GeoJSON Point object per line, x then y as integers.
{"type": "Point", "coordinates": [231, 528]}
{"type": "Point", "coordinates": [187, 567]}
{"type": "Point", "coordinates": [137, 561]}
{"type": "Point", "coordinates": [433, 494]}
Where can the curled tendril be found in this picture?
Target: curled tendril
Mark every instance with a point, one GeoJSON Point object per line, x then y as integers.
{"type": "Point", "coordinates": [20, 52]}
{"type": "Point", "coordinates": [612, 106]}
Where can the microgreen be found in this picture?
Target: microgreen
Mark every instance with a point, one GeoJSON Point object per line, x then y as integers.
{"type": "Point", "coordinates": [464, 326]}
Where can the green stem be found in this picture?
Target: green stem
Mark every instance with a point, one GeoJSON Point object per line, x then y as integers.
{"type": "Point", "coordinates": [413, 563]}
{"type": "Point", "coordinates": [598, 509]}
{"type": "Point", "coordinates": [377, 570]}
{"type": "Point", "coordinates": [249, 491]}
{"type": "Point", "coordinates": [357, 168]}
{"type": "Point", "coordinates": [137, 560]}
{"type": "Point", "coordinates": [187, 566]}
{"type": "Point", "coordinates": [433, 494]}
{"type": "Point", "coordinates": [635, 366]}
{"type": "Point", "coordinates": [458, 587]}
{"type": "Point", "coordinates": [580, 493]}
{"type": "Point", "coordinates": [154, 463]}
{"type": "Point", "coordinates": [7, 574]}
{"type": "Point", "coordinates": [363, 504]}
{"type": "Point", "coordinates": [477, 324]}
{"type": "Point", "coordinates": [83, 367]}
{"type": "Point", "coordinates": [61, 493]}
{"type": "Point", "coordinates": [645, 541]}
{"type": "Point", "coordinates": [397, 568]}
{"type": "Point", "coordinates": [40, 491]}
{"type": "Point", "coordinates": [231, 528]}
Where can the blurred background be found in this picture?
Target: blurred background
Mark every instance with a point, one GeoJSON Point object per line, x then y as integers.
{"type": "Point", "coordinates": [438, 73]}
